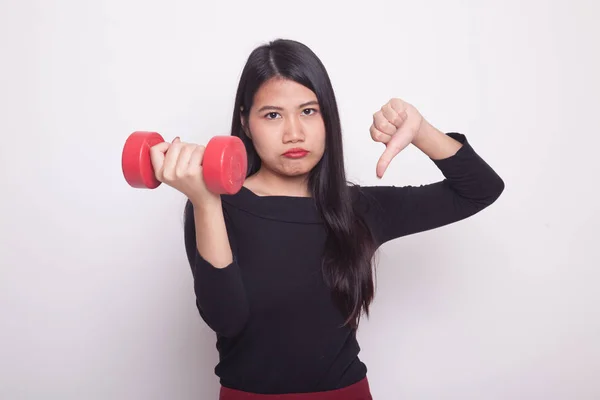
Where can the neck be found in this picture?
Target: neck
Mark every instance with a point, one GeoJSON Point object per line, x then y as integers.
{"type": "Point", "coordinates": [268, 183]}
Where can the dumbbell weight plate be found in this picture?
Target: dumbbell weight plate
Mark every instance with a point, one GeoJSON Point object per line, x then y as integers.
{"type": "Point", "coordinates": [225, 164]}
{"type": "Point", "coordinates": [135, 160]}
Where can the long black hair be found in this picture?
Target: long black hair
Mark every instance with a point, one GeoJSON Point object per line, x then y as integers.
{"type": "Point", "coordinates": [349, 249]}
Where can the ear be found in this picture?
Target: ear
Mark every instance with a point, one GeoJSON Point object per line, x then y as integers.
{"type": "Point", "coordinates": [244, 122]}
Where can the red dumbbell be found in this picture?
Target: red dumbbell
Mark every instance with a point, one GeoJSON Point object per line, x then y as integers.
{"type": "Point", "coordinates": [224, 163]}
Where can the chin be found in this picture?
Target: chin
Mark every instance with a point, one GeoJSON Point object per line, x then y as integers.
{"type": "Point", "coordinates": [297, 170]}
{"type": "Point", "coordinates": [294, 173]}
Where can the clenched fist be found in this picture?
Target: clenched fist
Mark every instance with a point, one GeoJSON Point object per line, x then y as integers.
{"type": "Point", "coordinates": [396, 125]}
{"type": "Point", "coordinates": [179, 165]}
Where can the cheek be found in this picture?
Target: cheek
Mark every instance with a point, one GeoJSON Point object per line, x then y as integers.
{"type": "Point", "coordinates": [319, 136]}
{"type": "Point", "coordinates": [264, 145]}
{"type": "Point", "coordinates": [264, 137]}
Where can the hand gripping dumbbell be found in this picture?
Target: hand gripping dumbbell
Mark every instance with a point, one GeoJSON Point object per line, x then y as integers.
{"type": "Point", "coordinates": [224, 163]}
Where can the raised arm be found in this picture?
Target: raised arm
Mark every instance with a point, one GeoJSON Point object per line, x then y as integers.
{"type": "Point", "coordinates": [210, 248]}
{"type": "Point", "coordinates": [470, 184]}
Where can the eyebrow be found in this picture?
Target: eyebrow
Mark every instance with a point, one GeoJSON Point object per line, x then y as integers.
{"type": "Point", "coordinates": [308, 103]}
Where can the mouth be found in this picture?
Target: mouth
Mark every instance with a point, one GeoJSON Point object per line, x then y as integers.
{"type": "Point", "coordinates": [295, 153]}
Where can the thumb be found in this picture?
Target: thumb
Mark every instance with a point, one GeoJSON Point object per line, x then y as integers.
{"type": "Point", "coordinates": [157, 155]}
{"type": "Point", "coordinates": [398, 143]}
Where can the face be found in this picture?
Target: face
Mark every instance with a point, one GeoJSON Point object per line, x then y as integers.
{"type": "Point", "coordinates": [286, 127]}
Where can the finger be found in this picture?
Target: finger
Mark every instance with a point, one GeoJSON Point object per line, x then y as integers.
{"type": "Point", "coordinates": [183, 160]}
{"type": "Point", "coordinates": [160, 148]}
{"type": "Point", "coordinates": [382, 124]}
{"type": "Point", "coordinates": [399, 106]}
{"type": "Point", "coordinates": [171, 158]}
{"type": "Point", "coordinates": [157, 158]}
{"type": "Point", "coordinates": [379, 136]}
{"type": "Point", "coordinates": [197, 157]}
{"type": "Point", "coordinates": [395, 118]}
{"type": "Point", "coordinates": [398, 143]}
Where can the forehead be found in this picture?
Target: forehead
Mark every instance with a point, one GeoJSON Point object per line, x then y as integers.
{"type": "Point", "coordinates": [283, 93]}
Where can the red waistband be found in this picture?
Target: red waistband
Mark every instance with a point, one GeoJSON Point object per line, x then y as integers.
{"type": "Point", "coordinates": [358, 391]}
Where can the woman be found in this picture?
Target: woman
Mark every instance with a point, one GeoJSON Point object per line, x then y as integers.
{"type": "Point", "coordinates": [283, 269]}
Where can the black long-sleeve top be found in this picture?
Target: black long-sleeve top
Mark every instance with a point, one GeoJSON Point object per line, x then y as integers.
{"type": "Point", "coordinates": [277, 328]}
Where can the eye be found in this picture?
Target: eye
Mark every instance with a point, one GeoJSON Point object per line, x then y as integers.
{"type": "Point", "coordinates": [310, 110]}
{"type": "Point", "coordinates": [271, 115]}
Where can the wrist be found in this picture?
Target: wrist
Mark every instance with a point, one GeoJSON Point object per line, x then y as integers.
{"type": "Point", "coordinates": [426, 133]}
{"type": "Point", "coordinates": [435, 143]}
{"type": "Point", "coordinates": [206, 203]}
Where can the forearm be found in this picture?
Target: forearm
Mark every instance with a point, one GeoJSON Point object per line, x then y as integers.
{"type": "Point", "coordinates": [434, 143]}
{"type": "Point", "coordinates": [211, 233]}
{"type": "Point", "coordinates": [469, 186]}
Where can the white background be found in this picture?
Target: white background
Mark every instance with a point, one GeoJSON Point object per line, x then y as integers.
{"type": "Point", "coordinates": [96, 297]}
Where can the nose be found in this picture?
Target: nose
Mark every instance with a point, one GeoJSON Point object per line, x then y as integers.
{"type": "Point", "coordinates": [293, 131]}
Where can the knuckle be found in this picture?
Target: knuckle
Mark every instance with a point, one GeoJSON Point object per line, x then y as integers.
{"type": "Point", "coordinates": [374, 134]}
{"type": "Point", "coordinates": [182, 171]}
{"type": "Point", "coordinates": [168, 176]}
{"type": "Point", "coordinates": [193, 172]}
{"type": "Point", "coordinates": [176, 147]}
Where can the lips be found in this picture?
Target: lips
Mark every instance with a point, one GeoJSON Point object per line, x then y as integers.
{"type": "Point", "coordinates": [295, 153]}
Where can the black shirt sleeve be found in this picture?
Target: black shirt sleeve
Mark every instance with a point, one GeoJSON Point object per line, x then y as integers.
{"type": "Point", "coordinates": [470, 185]}
{"type": "Point", "coordinates": [220, 294]}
